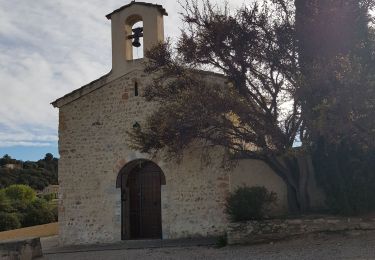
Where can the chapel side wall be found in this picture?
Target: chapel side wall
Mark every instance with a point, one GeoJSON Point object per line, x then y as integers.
{"type": "Point", "coordinates": [93, 149]}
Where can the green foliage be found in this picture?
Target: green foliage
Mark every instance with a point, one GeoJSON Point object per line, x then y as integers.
{"type": "Point", "coordinates": [37, 175]}
{"type": "Point", "coordinates": [20, 192]}
{"type": "Point", "coordinates": [20, 196]}
{"type": "Point", "coordinates": [19, 205]}
{"type": "Point", "coordinates": [249, 203]}
{"type": "Point", "coordinates": [346, 172]}
{"type": "Point", "coordinates": [5, 203]}
{"type": "Point", "coordinates": [48, 157]}
{"type": "Point", "coordinates": [9, 221]}
{"type": "Point", "coordinates": [38, 212]}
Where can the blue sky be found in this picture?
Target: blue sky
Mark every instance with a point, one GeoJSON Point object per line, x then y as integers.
{"type": "Point", "coordinates": [47, 49]}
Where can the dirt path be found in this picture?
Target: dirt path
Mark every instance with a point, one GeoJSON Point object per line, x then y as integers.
{"type": "Point", "coordinates": [323, 246]}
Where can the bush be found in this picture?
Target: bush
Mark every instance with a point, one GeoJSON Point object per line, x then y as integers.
{"type": "Point", "coordinates": [38, 212]}
{"type": "Point", "coordinates": [20, 192]}
{"type": "Point", "coordinates": [249, 203]}
{"type": "Point", "coordinates": [9, 221]}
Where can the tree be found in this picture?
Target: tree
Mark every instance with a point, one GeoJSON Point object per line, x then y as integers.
{"type": "Point", "coordinates": [37, 175]}
{"type": "Point", "coordinates": [48, 157]}
{"type": "Point", "coordinates": [336, 55]}
{"type": "Point", "coordinates": [337, 59]}
{"type": "Point", "coordinates": [50, 166]}
{"type": "Point", "coordinates": [255, 115]}
{"type": "Point", "coordinates": [6, 159]}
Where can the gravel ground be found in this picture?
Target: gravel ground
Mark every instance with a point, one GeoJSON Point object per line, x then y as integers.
{"type": "Point", "coordinates": [354, 245]}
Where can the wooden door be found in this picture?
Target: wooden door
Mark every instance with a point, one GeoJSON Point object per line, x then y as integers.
{"type": "Point", "coordinates": [145, 202]}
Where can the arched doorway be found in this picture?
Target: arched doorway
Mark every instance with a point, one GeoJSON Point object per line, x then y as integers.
{"type": "Point", "coordinates": [140, 182]}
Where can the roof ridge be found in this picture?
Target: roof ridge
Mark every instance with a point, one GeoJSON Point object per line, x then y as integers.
{"type": "Point", "coordinates": [160, 7]}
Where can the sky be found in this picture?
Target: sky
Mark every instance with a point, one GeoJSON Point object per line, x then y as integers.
{"type": "Point", "coordinates": [47, 49]}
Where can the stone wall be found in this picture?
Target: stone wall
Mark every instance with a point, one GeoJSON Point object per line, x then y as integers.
{"type": "Point", "coordinates": [276, 229]}
{"type": "Point", "coordinates": [24, 249]}
{"type": "Point", "coordinates": [45, 230]}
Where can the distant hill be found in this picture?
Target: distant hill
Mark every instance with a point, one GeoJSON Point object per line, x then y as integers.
{"type": "Point", "coordinates": [37, 174]}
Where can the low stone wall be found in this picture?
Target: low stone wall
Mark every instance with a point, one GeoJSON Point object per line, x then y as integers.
{"type": "Point", "coordinates": [25, 249]}
{"type": "Point", "coordinates": [45, 230]}
{"type": "Point", "coordinates": [270, 230]}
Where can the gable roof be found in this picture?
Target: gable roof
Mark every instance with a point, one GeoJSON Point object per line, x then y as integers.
{"type": "Point", "coordinates": [77, 93]}
{"type": "Point", "coordinates": [160, 7]}
{"type": "Point", "coordinates": [105, 80]}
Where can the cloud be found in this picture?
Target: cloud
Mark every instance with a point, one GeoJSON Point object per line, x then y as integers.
{"type": "Point", "coordinates": [47, 49]}
{"type": "Point", "coordinates": [25, 144]}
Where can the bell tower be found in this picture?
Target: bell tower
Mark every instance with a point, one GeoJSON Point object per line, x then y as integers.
{"type": "Point", "coordinates": [125, 37]}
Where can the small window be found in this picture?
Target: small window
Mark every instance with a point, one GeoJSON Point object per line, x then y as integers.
{"type": "Point", "coordinates": [136, 93]}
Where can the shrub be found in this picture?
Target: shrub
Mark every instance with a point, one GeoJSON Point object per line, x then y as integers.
{"type": "Point", "coordinates": [20, 196]}
{"type": "Point", "coordinates": [9, 221]}
{"type": "Point", "coordinates": [38, 212]}
{"type": "Point", "coordinates": [20, 192]}
{"type": "Point", "coordinates": [249, 203]}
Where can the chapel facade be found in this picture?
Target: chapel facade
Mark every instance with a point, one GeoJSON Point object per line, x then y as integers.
{"type": "Point", "coordinates": [108, 192]}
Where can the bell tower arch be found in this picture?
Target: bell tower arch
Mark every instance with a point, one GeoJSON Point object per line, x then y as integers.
{"type": "Point", "coordinates": [124, 37]}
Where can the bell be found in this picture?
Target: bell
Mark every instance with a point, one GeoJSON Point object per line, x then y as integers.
{"type": "Point", "coordinates": [136, 42]}
{"type": "Point", "coordinates": [137, 34]}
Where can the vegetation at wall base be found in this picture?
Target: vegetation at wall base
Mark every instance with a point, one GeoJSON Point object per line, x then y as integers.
{"type": "Point", "coordinates": [249, 203]}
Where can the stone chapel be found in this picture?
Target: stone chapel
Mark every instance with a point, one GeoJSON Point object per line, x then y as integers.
{"type": "Point", "coordinates": [109, 192]}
